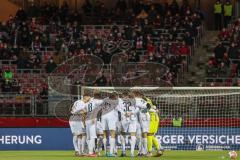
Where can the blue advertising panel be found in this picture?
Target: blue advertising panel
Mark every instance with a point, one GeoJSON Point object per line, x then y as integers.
{"type": "Point", "coordinates": [35, 139]}
{"type": "Point", "coordinates": [170, 138]}
{"type": "Point", "coordinates": [199, 138]}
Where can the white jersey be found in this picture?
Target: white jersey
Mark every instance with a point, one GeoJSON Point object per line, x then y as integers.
{"type": "Point", "coordinates": [144, 117]}
{"type": "Point", "coordinates": [77, 107]}
{"type": "Point", "coordinates": [141, 103]}
{"type": "Point", "coordinates": [127, 106]}
{"type": "Point", "coordinates": [75, 121]}
{"type": "Point", "coordinates": [109, 114]}
{"type": "Point", "coordinates": [91, 106]}
{"type": "Point", "coordinates": [109, 107]}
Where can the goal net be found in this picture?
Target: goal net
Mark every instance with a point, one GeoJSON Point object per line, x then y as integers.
{"type": "Point", "coordinates": [192, 118]}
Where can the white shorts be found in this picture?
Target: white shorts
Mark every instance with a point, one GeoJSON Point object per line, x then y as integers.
{"type": "Point", "coordinates": [77, 127]}
{"type": "Point", "coordinates": [99, 127]}
{"type": "Point", "coordinates": [91, 129]}
{"type": "Point", "coordinates": [129, 125]}
{"type": "Point", "coordinates": [144, 122]}
{"type": "Point", "coordinates": [139, 130]}
{"type": "Point", "coordinates": [119, 127]}
{"type": "Point", "coordinates": [109, 123]}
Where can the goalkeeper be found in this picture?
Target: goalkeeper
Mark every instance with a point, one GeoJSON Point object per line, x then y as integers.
{"type": "Point", "coordinates": [153, 128]}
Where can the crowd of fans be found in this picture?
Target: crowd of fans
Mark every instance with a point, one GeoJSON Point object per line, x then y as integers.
{"type": "Point", "coordinates": [42, 37]}
{"type": "Point", "coordinates": [223, 66]}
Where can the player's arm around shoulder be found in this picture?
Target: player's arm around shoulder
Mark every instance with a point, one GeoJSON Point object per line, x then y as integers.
{"type": "Point", "coordinates": [141, 103]}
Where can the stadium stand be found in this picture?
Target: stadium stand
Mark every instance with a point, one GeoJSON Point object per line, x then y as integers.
{"type": "Point", "coordinates": [224, 65]}
{"type": "Point", "coordinates": [36, 42]}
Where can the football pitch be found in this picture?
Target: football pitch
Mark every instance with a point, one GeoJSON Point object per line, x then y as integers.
{"type": "Point", "coordinates": [68, 155]}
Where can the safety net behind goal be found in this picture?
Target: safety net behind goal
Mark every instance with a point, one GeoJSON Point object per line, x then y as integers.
{"type": "Point", "coordinates": [191, 118]}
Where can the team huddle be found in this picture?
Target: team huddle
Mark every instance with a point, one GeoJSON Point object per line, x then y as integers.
{"type": "Point", "coordinates": [97, 122]}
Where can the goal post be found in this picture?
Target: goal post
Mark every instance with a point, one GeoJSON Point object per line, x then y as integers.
{"type": "Point", "coordinates": [192, 118]}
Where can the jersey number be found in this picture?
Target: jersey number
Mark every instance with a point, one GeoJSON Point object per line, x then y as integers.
{"type": "Point", "coordinates": [90, 107]}
{"type": "Point", "coordinates": [127, 106]}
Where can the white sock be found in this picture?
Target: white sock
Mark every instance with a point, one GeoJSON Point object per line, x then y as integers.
{"type": "Point", "coordinates": [99, 143]}
{"type": "Point", "coordinates": [91, 145]}
{"type": "Point", "coordinates": [139, 145]}
{"type": "Point", "coordinates": [144, 145]}
{"type": "Point", "coordinates": [83, 144]}
{"type": "Point", "coordinates": [105, 144]}
{"type": "Point", "coordinates": [112, 145]}
{"type": "Point", "coordinates": [133, 142]}
{"type": "Point", "coordinates": [87, 142]}
{"type": "Point", "coordinates": [79, 142]}
{"type": "Point", "coordinates": [123, 144]}
{"type": "Point", "coordinates": [75, 143]}
{"type": "Point", "coordinates": [115, 149]}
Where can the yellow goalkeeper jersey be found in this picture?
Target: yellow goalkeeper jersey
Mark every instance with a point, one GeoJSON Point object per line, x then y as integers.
{"type": "Point", "coordinates": [154, 118]}
{"type": "Point", "coordinates": [154, 122]}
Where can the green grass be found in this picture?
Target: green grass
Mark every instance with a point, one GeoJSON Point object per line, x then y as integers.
{"type": "Point", "coordinates": [68, 155]}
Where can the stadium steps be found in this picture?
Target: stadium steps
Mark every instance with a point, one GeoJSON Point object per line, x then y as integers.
{"type": "Point", "coordinates": [196, 73]}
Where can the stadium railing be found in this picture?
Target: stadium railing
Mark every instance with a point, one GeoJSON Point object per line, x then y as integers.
{"type": "Point", "coordinates": [219, 81]}
{"type": "Point", "coordinates": [19, 105]}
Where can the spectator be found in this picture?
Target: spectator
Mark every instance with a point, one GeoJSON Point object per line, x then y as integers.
{"type": "Point", "coordinates": [218, 15]}
{"type": "Point", "coordinates": [8, 76]}
{"type": "Point", "coordinates": [33, 62]}
{"type": "Point", "coordinates": [152, 14]}
{"type": "Point", "coordinates": [174, 7]}
{"type": "Point", "coordinates": [21, 14]}
{"type": "Point", "coordinates": [87, 8]}
{"type": "Point", "coordinates": [33, 11]}
{"type": "Point", "coordinates": [238, 82]}
{"type": "Point", "coordinates": [64, 8]}
{"type": "Point", "coordinates": [15, 87]}
{"type": "Point", "coordinates": [58, 27]}
{"type": "Point", "coordinates": [58, 44]}
{"type": "Point", "coordinates": [185, 7]}
{"type": "Point", "coordinates": [152, 58]}
{"type": "Point", "coordinates": [157, 22]}
{"type": "Point", "coordinates": [121, 5]}
{"type": "Point", "coordinates": [233, 51]}
{"type": "Point", "coordinates": [101, 80]}
{"type": "Point", "coordinates": [50, 67]}
{"type": "Point", "coordinates": [24, 35]}
{"type": "Point", "coordinates": [228, 11]}
{"type": "Point", "coordinates": [225, 59]}
{"type": "Point", "coordinates": [85, 43]}
{"type": "Point", "coordinates": [133, 57]}
{"type": "Point", "coordinates": [238, 69]}
{"type": "Point", "coordinates": [188, 39]}
{"type": "Point", "coordinates": [223, 70]}
{"type": "Point", "coordinates": [57, 58]}
{"type": "Point", "coordinates": [224, 35]}
{"type": "Point", "coordinates": [219, 51]}
{"type": "Point", "coordinates": [64, 49]}
{"type": "Point", "coordinates": [192, 29]}
{"type": "Point", "coordinates": [210, 69]}
{"type": "Point", "coordinates": [184, 49]}
{"type": "Point", "coordinates": [6, 87]}
{"type": "Point", "coordinates": [42, 105]}
{"type": "Point", "coordinates": [150, 47]}
{"type": "Point", "coordinates": [36, 44]}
